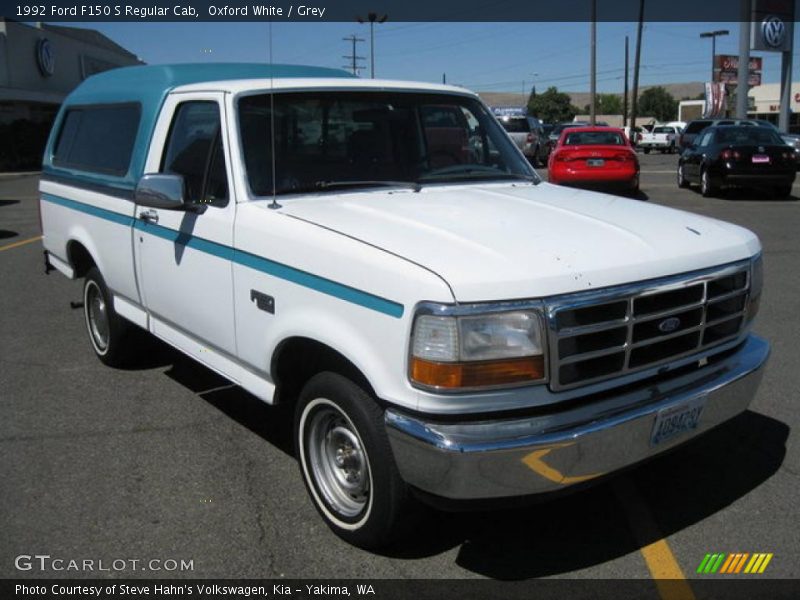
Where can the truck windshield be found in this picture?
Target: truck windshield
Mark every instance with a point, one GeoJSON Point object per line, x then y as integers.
{"type": "Point", "coordinates": [325, 139]}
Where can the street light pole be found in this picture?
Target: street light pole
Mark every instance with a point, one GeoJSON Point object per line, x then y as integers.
{"type": "Point", "coordinates": [713, 35]}
{"type": "Point", "coordinates": [372, 18]}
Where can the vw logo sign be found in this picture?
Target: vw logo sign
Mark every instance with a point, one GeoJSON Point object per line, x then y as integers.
{"type": "Point", "coordinates": [773, 30]}
{"type": "Point", "coordinates": [45, 57]}
{"type": "Point", "coordinates": [669, 325]}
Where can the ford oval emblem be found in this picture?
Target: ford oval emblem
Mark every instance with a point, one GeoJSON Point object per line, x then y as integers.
{"type": "Point", "coordinates": [669, 325]}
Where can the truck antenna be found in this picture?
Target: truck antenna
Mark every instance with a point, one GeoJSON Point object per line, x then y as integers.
{"type": "Point", "coordinates": [274, 204]}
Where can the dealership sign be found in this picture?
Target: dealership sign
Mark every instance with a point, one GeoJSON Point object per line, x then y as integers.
{"type": "Point", "coordinates": [772, 25]}
{"type": "Point", "coordinates": [726, 69]}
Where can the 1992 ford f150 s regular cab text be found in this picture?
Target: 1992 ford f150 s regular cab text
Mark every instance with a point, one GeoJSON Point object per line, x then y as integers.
{"type": "Point", "coordinates": [381, 256]}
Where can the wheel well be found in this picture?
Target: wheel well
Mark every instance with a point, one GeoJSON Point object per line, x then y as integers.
{"type": "Point", "coordinates": [79, 257]}
{"type": "Point", "coordinates": [298, 359]}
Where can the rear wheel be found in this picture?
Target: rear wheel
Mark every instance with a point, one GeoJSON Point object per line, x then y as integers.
{"type": "Point", "coordinates": [346, 461]}
{"type": "Point", "coordinates": [783, 191]}
{"type": "Point", "coordinates": [108, 332]}
{"type": "Point", "coordinates": [682, 181]}
{"type": "Point", "coordinates": [707, 188]}
{"type": "Point", "coordinates": [646, 150]}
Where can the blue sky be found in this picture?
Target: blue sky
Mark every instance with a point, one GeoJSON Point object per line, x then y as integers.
{"type": "Point", "coordinates": [481, 56]}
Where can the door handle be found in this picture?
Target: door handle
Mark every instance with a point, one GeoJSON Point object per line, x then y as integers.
{"type": "Point", "coordinates": [150, 216]}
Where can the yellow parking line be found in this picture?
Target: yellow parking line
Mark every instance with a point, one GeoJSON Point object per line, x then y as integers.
{"type": "Point", "coordinates": [663, 566]}
{"type": "Point", "coordinates": [20, 243]}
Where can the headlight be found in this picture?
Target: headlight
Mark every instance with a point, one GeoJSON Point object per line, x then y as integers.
{"type": "Point", "coordinates": [478, 349]}
{"type": "Point", "coordinates": [756, 284]}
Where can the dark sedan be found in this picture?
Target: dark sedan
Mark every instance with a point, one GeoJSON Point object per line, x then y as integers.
{"type": "Point", "coordinates": [738, 156]}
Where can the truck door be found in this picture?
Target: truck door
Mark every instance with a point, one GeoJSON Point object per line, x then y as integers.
{"type": "Point", "coordinates": [184, 257]}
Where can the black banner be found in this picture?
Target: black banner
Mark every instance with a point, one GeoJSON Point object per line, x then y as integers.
{"type": "Point", "coordinates": [350, 10]}
{"type": "Point", "coordinates": [738, 588]}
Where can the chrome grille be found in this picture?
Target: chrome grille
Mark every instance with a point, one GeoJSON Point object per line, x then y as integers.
{"type": "Point", "coordinates": [599, 335]}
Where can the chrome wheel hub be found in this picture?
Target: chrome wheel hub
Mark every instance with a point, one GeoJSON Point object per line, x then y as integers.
{"type": "Point", "coordinates": [97, 315]}
{"type": "Point", "coordinates": [338, 461]}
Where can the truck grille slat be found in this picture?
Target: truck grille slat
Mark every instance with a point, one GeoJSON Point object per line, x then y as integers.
{"type": "Point", "coordinates": [599, 335]}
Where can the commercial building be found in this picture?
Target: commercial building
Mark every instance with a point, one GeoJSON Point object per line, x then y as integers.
{"type": "Point", "coordinates": [39, 65]}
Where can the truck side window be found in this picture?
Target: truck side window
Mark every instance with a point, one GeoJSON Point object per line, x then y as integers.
{"type": "Point", "coordinates": [194, 150]}
{"type": "Point", "coordinates": [98, 138]}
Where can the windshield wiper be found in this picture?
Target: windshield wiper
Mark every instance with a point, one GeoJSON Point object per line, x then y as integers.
{"type": "Point", "coordinates": [477, 173]}
{"type": "Point", "coordinates": [327, 185]}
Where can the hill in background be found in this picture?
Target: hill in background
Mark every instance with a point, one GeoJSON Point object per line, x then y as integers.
{"type": "Point", "coordinates": [580, 99]}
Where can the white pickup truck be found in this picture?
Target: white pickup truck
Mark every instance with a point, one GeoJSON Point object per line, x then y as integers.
{"type": "Point", "coordinates": [446, 325]}
{"type": "Point", "coordinates": [663, 138]}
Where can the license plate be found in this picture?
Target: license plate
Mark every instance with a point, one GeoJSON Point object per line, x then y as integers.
{"type": "Point", "coordinates": [673, 421]}
{"type": "Point", "coordinates": [595, 162]}
{"type": "Point", "coordinates": [760, 158]}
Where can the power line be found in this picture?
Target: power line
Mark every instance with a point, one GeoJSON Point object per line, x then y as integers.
{"type": "Point", "coordinates": [353, 58]}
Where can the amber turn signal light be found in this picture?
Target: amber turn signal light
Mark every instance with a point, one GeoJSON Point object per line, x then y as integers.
{"type": "Point", "coordinates": [477, 374]}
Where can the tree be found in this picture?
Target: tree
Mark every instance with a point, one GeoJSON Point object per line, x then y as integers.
{"type": "Point", "coordinates": [659, 103]}
{"type": "Point", "coordinates": [606, 104]}
{"type": "Point", "coordinates": [552, 106]}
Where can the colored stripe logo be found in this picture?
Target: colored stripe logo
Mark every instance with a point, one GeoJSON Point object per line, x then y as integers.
{"type": "Point", "coordinates": [735, 563]}
{"type": "Point", "coordinates": [259, 263]}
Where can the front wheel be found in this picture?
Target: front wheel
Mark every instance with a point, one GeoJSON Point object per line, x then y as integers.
{"type": "Point", "coordinates": [108, 332]}
{"type": "Point", "coordinates": [346, 461]}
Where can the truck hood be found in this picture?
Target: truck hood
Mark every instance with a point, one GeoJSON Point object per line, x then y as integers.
{"type": "Point", "coordinates": [510, 241]}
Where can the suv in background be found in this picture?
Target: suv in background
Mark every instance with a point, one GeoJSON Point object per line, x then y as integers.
{"type": "Point", "coordinates": [523, 130]}
{"type": "Point", "coordinates": [686, 138]}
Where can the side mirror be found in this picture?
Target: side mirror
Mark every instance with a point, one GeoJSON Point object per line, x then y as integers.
{"type": "Point", "coordinates": [159, 190]}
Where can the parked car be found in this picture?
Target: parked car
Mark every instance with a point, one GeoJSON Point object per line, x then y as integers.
{"type": "Point", "coordinates": [793, 140]}
{"type": "Point", "coordinates": [738, 155]}
{"type": "Point", "coordinates": [522, 129]}
{"type": "Point", "coordinates": [662, 138]}
{"type": "Point", "coordinates": [594, 156]}
{"type": "Point", "coordinates": [693, 128]}
{"type": "Point", "coordinates": [555, 133]}
{"type": "Point", "coordinates": [440, 323]}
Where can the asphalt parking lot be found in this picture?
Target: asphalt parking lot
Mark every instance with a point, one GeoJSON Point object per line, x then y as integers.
{"type": "Point", "coordinates": [169, 461]}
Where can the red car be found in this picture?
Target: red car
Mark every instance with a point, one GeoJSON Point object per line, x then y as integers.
{"type": "Point", "coordinates": [594, 157]}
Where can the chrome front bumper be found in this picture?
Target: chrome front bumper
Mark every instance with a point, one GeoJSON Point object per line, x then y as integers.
{"type": "Point", "coordinates": [548, 452]}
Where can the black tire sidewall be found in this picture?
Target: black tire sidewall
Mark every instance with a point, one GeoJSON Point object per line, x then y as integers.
{"type": "Point", "coordinates": [376, 525]}
{"type": "Point", "coordinates": [114, 352]}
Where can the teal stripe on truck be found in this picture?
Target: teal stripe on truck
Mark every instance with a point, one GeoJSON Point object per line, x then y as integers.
{"type": "Point", "coordinates": [246, 259]}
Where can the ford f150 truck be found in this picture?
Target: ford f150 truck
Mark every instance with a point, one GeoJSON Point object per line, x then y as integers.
{"type": "Point", "coordinates": [445, 324]}
{"type": "Point", "coordinates": [663, 138]}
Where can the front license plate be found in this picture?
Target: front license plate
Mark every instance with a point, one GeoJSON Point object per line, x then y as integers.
{"type": "Point", "coordinates": [595, 162]}
{"type": "Point", "coordinates": [760, 158]}
{"type": "Point", "coordinates": [675, 420]}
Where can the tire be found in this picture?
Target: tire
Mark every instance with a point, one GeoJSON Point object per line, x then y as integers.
{"type": "Point", "coordinates": [646, 150]}
{"type": "Point", "coordinates": [108, 332]}
{"type": "Point", "coordinates": [363, 502]}
{"type": "Point", "coordinates": [707, 188]}
{"type": "Point", "coordinates": [783, 191]}
{"type": "Point", "coordinates": [682, 181]}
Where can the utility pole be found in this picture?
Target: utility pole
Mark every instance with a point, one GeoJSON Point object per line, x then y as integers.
{"type": "Point", "coordinates": [593, 66]}
{"type": "Point", "coordinates": [625, 89]}
{"type": "Point", "coordinates": [743, 77]}
{"type": "Point", "coordinates": [353, 58]}
{"type": "Point", "coordinates": [636, 59]}
{"type": "Point", "coordinates": [372, 18]}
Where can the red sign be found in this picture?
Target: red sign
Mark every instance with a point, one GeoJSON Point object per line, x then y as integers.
{"type": "Point", "coordinates": [732, 78]}
{"type": "Point", "coordinates": [729, 62]}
